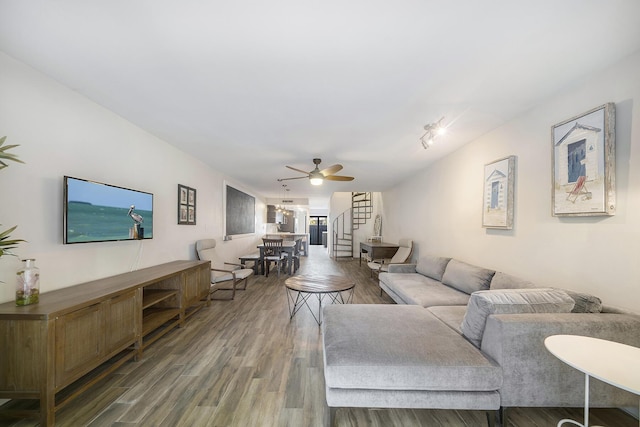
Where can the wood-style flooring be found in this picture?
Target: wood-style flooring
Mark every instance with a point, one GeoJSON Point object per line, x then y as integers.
{"type": "Point", "coordinates": [243, 363]}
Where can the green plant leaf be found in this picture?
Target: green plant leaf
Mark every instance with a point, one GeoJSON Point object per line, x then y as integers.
{"type": "Point", "coordinates": [7, 245]}
{"type": "Point", "coordinates": [7, 156]}
{"type": "Point", "coordinates": [6, 233]}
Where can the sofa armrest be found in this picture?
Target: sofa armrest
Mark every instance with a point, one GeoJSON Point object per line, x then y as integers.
{"type": "Point", "coordinates": [402, 268]}
{"type": "Point", "coordinates": [532, 376]}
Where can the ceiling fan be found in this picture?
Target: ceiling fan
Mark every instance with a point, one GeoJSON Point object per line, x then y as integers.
{"type": "Point", "coordinates": [316, 176]}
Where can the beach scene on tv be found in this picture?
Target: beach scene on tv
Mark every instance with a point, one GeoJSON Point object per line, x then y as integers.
{"type": "Point", "coordinates": [99, 212]}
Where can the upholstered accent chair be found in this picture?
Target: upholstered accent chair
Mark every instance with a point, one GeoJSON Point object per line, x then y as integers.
{"type": "Point", "coordinates": [225, 276]}
{"type": "Point", "coordinates": [401, 256]}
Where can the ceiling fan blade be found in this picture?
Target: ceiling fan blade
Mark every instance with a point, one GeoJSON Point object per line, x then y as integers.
{"type": "Point", "coordinates": [298, 170]}
{"type": "Point", "coordinates": [339, 178]}
{"type": "Point", "coordinates": [297, 177]}
{"type": "Point", "coordinates": [331, 170]}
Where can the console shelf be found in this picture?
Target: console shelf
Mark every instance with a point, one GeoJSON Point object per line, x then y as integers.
{"type": "Point", "coordinates": [80, 334]}
{"type": "Point", "coordinates": [153, 318]}
{"type": "Point", "coordinates": [153, 296]}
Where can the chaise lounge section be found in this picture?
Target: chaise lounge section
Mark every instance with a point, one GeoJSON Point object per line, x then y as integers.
{"type": "Point", "coordinates": [385, 356]}
{"type": "Point", "coordinates": [465, 337]}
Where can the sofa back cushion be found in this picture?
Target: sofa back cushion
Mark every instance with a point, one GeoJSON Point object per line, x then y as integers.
{"type": "Point", "coordinates": [510, 301]}
{"type": "Point", "coordinates": [466, 277]}
{"type": "Point", "coordinates": [432, 266]}
{"type": "Point", "coordinates": [502, 280]}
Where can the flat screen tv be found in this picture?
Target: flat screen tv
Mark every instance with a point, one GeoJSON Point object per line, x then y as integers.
{"type": "Point", "coordinates": [97, 212]}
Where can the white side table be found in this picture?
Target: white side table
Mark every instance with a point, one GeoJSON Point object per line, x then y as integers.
{"type": "Point", "coordinates": [614, 363]}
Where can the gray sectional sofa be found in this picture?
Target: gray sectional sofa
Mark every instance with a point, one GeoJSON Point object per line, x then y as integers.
{"type": "Point", "coordinates": [465, 337]}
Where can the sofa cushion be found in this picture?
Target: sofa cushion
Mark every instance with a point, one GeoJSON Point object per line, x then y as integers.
{"type": "Point", "coordinates": [364, 349]}
{"type": "Point", "coordinates": [466, 277]}
{"type": "Point", "coordinates": [414, 288]}
{"type": "Point", "coordinates": [585, 303]}
{"type": "Point", "coordinates": [402, 268]}
{"type": "Point", "coordinates": [510, 301]}
{"type": "Point", "coordinates": [502, 280]}
{"type": "Point", "coordinates": [450, 315]}
{"type": "Point", "coordinates": [432, 266]}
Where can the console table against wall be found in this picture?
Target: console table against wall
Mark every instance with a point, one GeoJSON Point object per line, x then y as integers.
{"type": "Point", "coordinates": [378, 250]}
{"type": "Point", "coordinates": [76, 336]}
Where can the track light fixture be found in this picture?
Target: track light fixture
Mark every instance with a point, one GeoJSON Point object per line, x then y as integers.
{"type": "Point", "coordinates": [432, 131]}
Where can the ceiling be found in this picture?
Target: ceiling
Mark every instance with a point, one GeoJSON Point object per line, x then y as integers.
{"type": "Point", "coordinates": [250, 86]}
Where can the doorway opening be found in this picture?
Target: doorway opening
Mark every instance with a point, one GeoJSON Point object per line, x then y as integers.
{"type": "Point", "coordinates": [317, 224]}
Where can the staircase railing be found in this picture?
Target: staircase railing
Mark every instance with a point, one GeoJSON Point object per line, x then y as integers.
{"type": "Point", "coordinates": [362, 207]}
{"type": "Point", "coordinates": [342, 235]}
{"type": "Point", "coordinates": [344, 225]}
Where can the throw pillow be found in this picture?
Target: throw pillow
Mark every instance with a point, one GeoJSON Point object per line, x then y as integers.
{"type": "Point", "coordinates": [585, 303]}
{"type": "Point", "coordinates": [510, 301]}
{"type": "Point", "coordinates": [432, 266]}
{"type": "Point", "coordinates": [466, 277]}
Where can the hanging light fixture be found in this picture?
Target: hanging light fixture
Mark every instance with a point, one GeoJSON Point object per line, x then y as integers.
{"type": "Point", "coordinates": [285, 199]}
{"type": "Point", "coordinates": [432, 131]}
{"type": "Point", "coordinates": [283, 208]}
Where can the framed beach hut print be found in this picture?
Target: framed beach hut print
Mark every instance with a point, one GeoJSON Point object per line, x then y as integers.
{"type": "Point", "coordinates": [498, 195]}
{"type": "Point", "coordinates": [584, 164]}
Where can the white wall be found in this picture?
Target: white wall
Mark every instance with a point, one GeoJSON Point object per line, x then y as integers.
{"type": "Point", "coordinates": [319, 212]}
{"type": "Point", "coordinates": [441, 207]}
{"type": "Point", "coordinates": [63, 133]}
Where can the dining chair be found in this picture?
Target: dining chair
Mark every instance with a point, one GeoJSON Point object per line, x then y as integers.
{"type": "Point", "coordinates": [401, 256]}
{"type": "Point", "coordinates": [273, 253]}
{"type": "Point", "coordinates": [297, 252]}
{"type": "Point", "coordinates": [225, 276]}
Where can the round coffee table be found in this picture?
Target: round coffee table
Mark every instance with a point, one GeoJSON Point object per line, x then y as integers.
{"type": "Point", "coordinates": [300, 288]}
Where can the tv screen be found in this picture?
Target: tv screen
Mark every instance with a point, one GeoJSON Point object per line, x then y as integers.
{"type": "Point", "coordinates": [97, 212]}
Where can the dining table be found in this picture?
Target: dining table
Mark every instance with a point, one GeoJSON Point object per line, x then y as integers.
{"type": "Point", "coordinates": [292, 236]}
{"type": "Point", "coordinates": [288, 246]}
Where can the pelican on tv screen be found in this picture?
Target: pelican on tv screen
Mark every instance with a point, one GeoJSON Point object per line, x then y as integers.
{"type": "Point", "coordinates": [97, 212]}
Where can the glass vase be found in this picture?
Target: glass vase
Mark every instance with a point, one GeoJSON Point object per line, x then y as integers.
{"type": "Point", "coordinates": [28, 283]}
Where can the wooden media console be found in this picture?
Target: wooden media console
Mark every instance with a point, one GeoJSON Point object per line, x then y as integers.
{"type": "Point", "coordinates": [54, 350]}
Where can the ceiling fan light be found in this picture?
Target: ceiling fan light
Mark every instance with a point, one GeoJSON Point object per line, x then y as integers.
{"type": "Point", "coordinates": [316, 177]}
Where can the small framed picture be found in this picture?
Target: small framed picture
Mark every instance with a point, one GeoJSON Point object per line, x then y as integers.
{"type": "Point", "coordinates": [584, 169]}
{"type": "Point", "coordinates": [186, 205]}
{"type": "Point", "coordinates": [182, 195]}
{"type": "Point", "coordinates": [498, 199]}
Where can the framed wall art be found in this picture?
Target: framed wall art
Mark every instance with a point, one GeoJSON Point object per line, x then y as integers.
{"type": "Point", "coordinates": [240, 210]}
{"type": "Point", "coordinates": [498, 195]}
{"type": "Point", "coordinates": [583, 150]}
{"type": "Point", "coordinates": [186, 205]}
